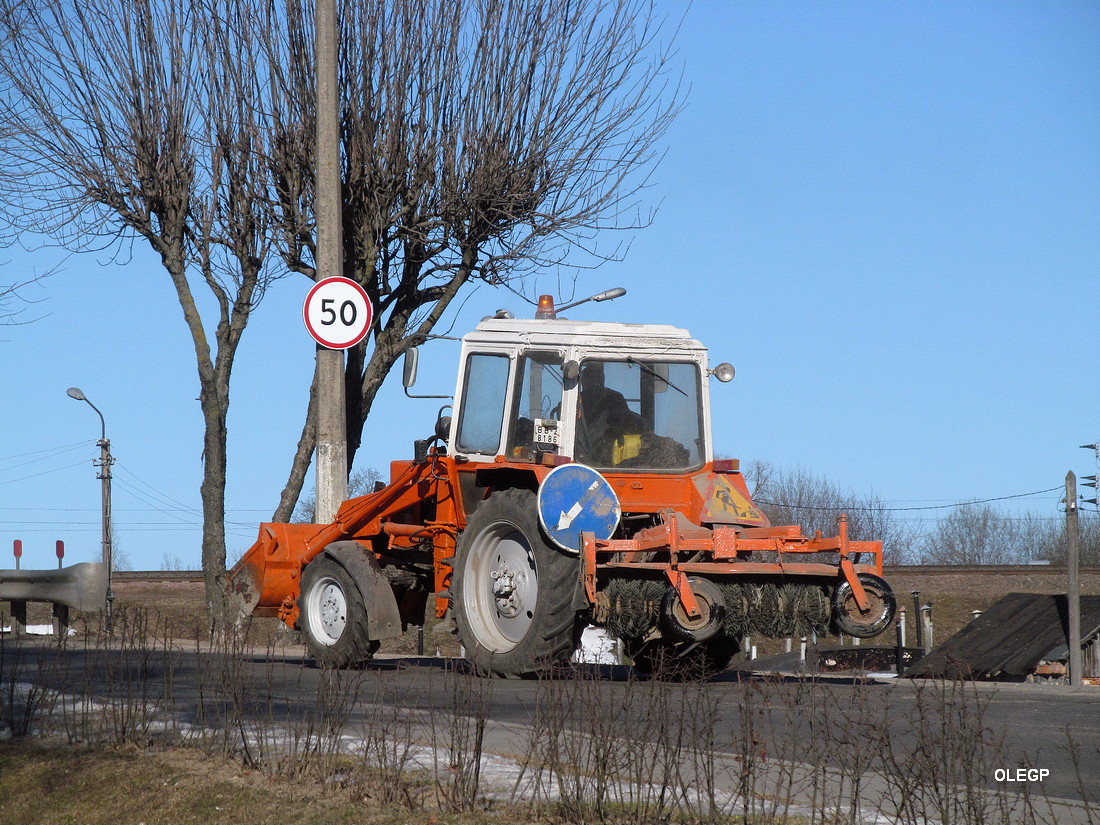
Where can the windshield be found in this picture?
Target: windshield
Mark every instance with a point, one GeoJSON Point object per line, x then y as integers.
{"type": "Point", "coordinates": [642, 415]}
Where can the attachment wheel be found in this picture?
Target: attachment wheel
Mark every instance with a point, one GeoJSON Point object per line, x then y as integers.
{"type": "Point", "coordinates": [863, 624]}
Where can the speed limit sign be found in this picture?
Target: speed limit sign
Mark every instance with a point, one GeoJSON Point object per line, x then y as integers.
{"type": "Point", "coordinates": [338, 313]}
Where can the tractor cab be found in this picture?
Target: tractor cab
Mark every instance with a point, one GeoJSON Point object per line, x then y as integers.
{"type": "Point", "coordinates": [617, 397]}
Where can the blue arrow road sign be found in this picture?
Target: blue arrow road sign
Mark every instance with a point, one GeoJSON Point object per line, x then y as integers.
{"type": "Point", "coordinates": [575, 499]}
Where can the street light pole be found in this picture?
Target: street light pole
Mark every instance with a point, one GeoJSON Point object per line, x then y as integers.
{"type": "Point", "coordinates": [104, 475]}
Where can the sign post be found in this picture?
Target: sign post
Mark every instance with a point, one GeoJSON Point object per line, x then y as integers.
{"type": "Point", "coordinates": [328, 379]}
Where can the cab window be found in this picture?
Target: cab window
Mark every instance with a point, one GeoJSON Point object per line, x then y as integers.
{"type": "Point", "coordinates": [483, 396]}
{"type": "Point", "coordinates": [538, 403]}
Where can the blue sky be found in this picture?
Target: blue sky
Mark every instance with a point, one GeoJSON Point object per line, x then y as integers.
{"type": "Point", "coordinates": [885, 215]}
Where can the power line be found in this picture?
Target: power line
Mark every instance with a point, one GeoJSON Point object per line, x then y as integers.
{"type": "Point", "coordinates": [116, 509]}
{"type": "Point", "coordinates": [51, 450]}
{"type": "Point", "coordinates": [131, 527]}
{"type": "Point", "coordinates": [46, 472]}
{"type": "Point", "coordinates": [166, 499]}
{"type": "Point", "coordinates": [188, 516]}
{"type": "Point", "coordinates": [856, 508]}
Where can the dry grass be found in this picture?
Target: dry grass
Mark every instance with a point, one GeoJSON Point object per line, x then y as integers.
{"type": "Point", "coordinates": [108, 786]}
{"type": "Point", "coordinates": [954, 595]}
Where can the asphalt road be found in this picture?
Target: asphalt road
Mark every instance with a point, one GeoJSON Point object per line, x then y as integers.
{"type": "Point", "coordinates": [986, 732]}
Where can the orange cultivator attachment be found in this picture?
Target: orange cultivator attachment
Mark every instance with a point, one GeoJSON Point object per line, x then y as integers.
{"type": "Point", "coordinates": [686, 554]}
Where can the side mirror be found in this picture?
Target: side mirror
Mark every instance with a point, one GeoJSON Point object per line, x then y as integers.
{"type": "Point", "coordinates": [408, 378]}
{"type": "Point", "coordinates": [412, 358]}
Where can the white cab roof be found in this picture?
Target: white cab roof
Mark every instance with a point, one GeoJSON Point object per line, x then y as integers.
{"type": "Point", "coordinates": [560, 332]}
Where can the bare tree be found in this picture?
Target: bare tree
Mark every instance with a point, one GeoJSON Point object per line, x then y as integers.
{"type": "Point", "coordinates": [1089, 540]}
{"type": "Point", "coordinates": [1048, 538]}
{"type": "Point", "coordinates": [975, 534]}
{"type": "Point", "coordinates": [13, 301]}
{"type": "Point", "coordinates": [136, 118]}
{"type": "Point", "coordinates": [982, 534]}
{"type": "Point", "coordinates": [480, 140]}
{"type": "Point", "coordinates": [815, 503]}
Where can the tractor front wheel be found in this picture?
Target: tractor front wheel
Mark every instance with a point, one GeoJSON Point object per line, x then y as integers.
{"type": "Point", "coordinates": [512, 591]}
{"type": "Point", "coordinates": [333, 617]}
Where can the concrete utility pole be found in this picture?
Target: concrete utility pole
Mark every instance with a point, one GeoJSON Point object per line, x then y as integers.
{"type": "Point", "coordinates": [1073, 585]}
{"type": "Point", "coordinates": [104, 475]}
{"type": "Point", "coordinates": [332, 447]}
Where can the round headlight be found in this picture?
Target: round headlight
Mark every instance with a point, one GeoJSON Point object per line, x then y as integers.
{"type": "Point", "coordinates": [723, 372]}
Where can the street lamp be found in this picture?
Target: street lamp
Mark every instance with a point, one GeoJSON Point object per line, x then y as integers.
{"type": "Point", "coordinates": [104, 464]}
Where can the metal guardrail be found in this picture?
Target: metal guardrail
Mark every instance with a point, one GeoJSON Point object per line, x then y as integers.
{"type": "Point", "coordinates": [83, 587]}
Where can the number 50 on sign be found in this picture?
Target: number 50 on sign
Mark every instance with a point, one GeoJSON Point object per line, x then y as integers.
{"type": "Point", "coordinates": [338, 313]}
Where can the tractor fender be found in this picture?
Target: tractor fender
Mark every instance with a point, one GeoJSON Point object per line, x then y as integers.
{"type": "Point", "coordinates": [383, 617]}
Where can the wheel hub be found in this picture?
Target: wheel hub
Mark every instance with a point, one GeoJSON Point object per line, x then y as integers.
{"type": "Point", "coordinates": [509, 590]}
{"type": "Point", "coordinates": [505, 592]}
{"type": "Point", "coordinates": [332, 611]}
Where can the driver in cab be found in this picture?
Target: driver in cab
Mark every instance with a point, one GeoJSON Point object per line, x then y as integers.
{"type": "Point", "coordinates": [605, 423]}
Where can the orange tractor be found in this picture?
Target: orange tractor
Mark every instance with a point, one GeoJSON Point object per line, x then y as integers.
{"type": "Point", "coordinates": [573, 484]}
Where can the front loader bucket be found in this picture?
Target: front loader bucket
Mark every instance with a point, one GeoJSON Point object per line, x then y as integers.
{"type": "Point", "coordinates": [260, 582]}
{"type": "Point", "coordinates": [242, 590]}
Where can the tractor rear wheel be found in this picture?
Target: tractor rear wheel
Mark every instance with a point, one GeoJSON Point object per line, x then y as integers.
{"type": "Point", "coordinates": [863, 624]}
{"type": "Point", "coordinates": [333, 617]}
{"type": "Point", "coordinates": [512, 591]}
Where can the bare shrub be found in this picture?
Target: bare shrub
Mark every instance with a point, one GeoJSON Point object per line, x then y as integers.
{"type": "Point", "coordinates": [458, 737]}
{"type": "Point", "coordinates": [22, 700]}
{"type": "Point", "coordinates": [1079, 757]}
{"type": "Point", "coordinates": [943, 775]}
{"type": "Point", "coordinates": [797, 749]}
{"type": "Point", "coordinates": [123, 692]}
{"type": "Point", "coordinates": [389, 769]}
{"type": "Point", "coordinates": [587, 761]}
